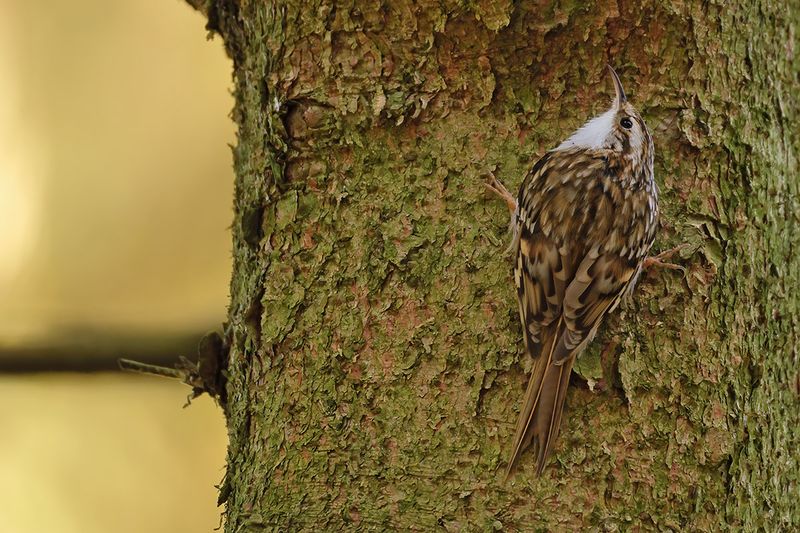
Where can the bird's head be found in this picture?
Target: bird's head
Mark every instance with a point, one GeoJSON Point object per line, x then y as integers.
{"type": "Point", "coordinates": [620, 129]}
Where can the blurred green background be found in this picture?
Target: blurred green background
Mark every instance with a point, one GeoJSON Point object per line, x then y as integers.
{"type": "Point", "coordinates": [115, 201]}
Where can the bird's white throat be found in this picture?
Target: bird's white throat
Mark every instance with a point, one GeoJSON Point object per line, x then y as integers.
{"type": "Point", "coordinates": [593, 133]}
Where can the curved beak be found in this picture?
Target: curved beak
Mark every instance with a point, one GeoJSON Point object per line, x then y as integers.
{"type": "Point", "coordinates": [621, 98]}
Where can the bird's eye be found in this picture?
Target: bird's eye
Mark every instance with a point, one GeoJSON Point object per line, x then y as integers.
{"type": "Point", "coordinates": [626, 123]}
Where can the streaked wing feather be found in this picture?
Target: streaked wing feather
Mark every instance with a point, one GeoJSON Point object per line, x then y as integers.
{"type": "Point", "coordinates": [540, 285]}
{"type": "Point", "coordinates": [599, 283]}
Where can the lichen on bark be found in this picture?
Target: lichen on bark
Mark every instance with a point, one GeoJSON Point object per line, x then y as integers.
{"type": "Point", "coordinates": [375, 367]}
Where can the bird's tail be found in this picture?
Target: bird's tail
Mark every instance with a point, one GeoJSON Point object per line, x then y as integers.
{"type": "Point", "coordinates": [540, 416]}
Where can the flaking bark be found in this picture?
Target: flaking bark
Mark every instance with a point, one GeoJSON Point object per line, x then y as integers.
{"type": "Point", "coordinates": [375, 368]}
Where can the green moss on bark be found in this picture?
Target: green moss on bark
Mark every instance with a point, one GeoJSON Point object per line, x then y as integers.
{"type": "Point", "coordinates": [375, 367]}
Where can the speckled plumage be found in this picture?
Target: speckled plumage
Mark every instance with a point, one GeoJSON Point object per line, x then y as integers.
{"type": "Point", "coordinates": [586, 216]}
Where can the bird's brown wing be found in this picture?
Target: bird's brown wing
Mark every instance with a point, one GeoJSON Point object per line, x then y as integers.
{"type": "Point", "coordinates": [559, 322]}
{"type": "Point", "coordinates": [564, 288]}
{"type": "Point", "coordinates": [599, 283]}
{"type": "Point", "coordinates": [541, 274]}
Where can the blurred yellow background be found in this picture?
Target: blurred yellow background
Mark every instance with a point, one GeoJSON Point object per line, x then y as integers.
{"type": "Point", "coordinates": [107, 454]}
{"type": "Point", "coordinates": [115, 201]}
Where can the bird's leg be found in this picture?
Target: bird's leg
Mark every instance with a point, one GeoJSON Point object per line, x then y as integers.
{"type": "Point", "coordinates": [494, 185]}
{"type": "Point", "coordinates": [658, 260]}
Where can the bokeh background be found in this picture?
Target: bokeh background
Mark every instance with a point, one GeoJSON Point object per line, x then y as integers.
{"type": "Point", "coordinates": [115, 201]}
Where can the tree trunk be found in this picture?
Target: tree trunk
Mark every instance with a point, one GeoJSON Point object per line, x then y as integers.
{"type": "Point", "coordinates": [375, 369]}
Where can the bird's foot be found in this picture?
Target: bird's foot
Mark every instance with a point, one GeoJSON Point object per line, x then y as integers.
{"type": "Point", "coordinates": [494, 185]}
{"type": "Point", "coordinates": [657, 261]}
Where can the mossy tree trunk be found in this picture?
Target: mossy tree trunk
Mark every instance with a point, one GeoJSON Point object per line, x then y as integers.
{"type": "Point", "coordinates": [375, 369]}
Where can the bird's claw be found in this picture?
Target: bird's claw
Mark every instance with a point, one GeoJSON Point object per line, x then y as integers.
{"type": "Point", "coordinates": [658, 260]}
{"type": "Point", "coordinates": [494, 185]}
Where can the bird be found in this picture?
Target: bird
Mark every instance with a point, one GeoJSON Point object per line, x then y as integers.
{"type": "Point", "coordinates": [583, 223]}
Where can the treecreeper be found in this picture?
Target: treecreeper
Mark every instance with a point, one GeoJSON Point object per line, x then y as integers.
{"type": "Point", "coordinates": [583, 222]}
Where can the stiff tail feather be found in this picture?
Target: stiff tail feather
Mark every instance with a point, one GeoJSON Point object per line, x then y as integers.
{"type": "Point", "coordinates": [540, 416]}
